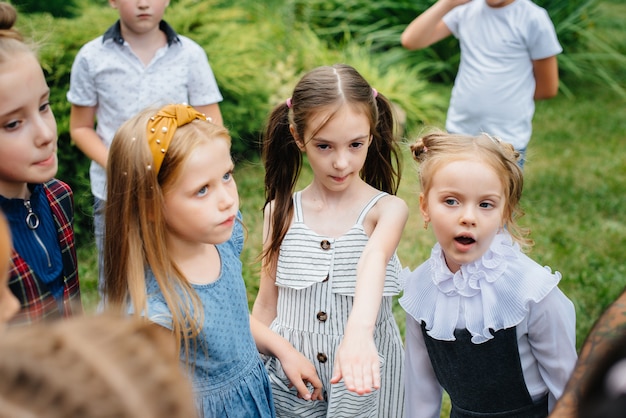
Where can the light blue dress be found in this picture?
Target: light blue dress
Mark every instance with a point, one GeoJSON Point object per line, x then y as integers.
{"type": "Point", "coordinates": [228, 375]}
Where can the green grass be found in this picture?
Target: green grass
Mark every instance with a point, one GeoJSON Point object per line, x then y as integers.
{"type": "Point", "coordinates": [575, 195]}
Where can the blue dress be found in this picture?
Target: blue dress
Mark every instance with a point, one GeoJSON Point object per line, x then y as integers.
{"type": "Point", "coordinates": [228, 375]}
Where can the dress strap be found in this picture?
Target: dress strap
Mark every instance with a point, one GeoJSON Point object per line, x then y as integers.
{"type": "Point", "coordinates": [369, 206]}
{"type": "Point", "coordinates": [297, 207]}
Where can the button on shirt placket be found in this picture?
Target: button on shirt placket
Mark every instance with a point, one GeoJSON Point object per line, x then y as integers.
{"type": "Point", "coordinates": [322, 315]}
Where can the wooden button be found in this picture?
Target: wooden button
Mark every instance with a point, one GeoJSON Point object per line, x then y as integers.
{"type": "Point", "coordinates": [322, 316]}
{"type": "Point", "coordinates": [325, 244]}
{"type": "Point", "coordinates": [322, 358]}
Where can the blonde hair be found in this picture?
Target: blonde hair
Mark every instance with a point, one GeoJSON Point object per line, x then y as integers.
{"type": "Point", "coordinates": [100, 366]}
{"type": "Point", "coordinates": [135, 231]}
{"type": "Point", "coordinates": [437, 148]}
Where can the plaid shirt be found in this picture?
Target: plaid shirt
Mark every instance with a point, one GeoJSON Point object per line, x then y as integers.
{"type": "Point", "coordinates": [36, 300]}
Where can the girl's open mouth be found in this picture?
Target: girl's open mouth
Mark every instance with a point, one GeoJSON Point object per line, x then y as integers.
{"type": "Point", "coordinates": [465, 240]}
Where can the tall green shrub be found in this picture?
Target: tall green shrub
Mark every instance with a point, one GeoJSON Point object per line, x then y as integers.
{"type": "Point", "coordinates": [586, 56]}
{"type": "Point", "coordinates": [58, 8]}
{"type": "Point", "coordinates": [257, 52]}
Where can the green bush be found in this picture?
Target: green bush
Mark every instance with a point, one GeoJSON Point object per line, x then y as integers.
{"type": "Point", "coordinates": [258, 50]}
{"type": "Point", "coordinates": [586, 57]}
{"type": "Point", "coordinates": [257, 53]}
{"type": "Point", "coordinates": [58, 8]}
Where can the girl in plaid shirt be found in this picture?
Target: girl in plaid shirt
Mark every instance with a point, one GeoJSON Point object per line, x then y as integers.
{"type": "Point", "coordinates": [39, 208]}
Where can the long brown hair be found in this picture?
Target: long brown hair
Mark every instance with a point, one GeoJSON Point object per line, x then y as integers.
{"type": "Point", "coordinates": [323, 89]}
{"type": "Point", "coordinates": [135, 230]}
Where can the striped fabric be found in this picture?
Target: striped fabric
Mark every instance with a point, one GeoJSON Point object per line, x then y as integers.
{"type": "Point", "coordinates": [307, 258]}
{"type": "Point", "coordinates": [36, 300]}
{"type": "Point", "coordinates": [312, 312]}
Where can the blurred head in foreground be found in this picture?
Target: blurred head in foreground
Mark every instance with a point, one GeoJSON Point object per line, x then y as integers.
{"type": "Point", "coordinates": [101, 366]}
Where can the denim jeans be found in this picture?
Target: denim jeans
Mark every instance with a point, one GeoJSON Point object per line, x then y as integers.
{"type": "Point", "coordinates": [522, 158]}
{"type": "Point", "coordinates": [98, 224]}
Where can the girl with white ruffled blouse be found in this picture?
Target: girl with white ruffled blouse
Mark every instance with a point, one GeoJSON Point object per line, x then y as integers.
{"type": "Point", "coordinates": [485, 323]}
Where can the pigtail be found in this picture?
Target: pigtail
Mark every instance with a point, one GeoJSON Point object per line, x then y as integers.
{"type": "Point", "coordinates": [382, 167]}
{"type": "Point", "coordinates": [430, 144]}
{"type": "Point", "coordinates": [327, 89]}
{"type": "Point", "coordinates": [283, 161]}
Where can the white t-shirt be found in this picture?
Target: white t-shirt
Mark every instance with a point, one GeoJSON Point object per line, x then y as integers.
{"type": "Point", "coordinates": [494, 88]}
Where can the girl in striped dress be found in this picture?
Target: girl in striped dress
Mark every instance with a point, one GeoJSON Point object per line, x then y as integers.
{"type": "Point", "coordinates": [329, 263]}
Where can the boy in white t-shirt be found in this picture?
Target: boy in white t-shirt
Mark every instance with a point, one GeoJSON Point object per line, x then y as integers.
{"type": "Point", "coordinates": [508, 60]}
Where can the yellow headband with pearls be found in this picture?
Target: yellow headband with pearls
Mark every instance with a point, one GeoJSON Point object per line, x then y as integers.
{"type": "Point", "coordinates": [161, 128]}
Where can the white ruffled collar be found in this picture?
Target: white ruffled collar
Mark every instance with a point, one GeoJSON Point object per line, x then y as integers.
{"type": "Point", "coordinates": [484, 296]}
{"type": "Point", "coordinates": [468, 279]}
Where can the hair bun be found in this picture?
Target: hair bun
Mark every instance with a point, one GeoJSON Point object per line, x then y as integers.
{"type": "Point", "coordinates": [8, 17]}
{"type": "Point", "coordinates": [418, 149]}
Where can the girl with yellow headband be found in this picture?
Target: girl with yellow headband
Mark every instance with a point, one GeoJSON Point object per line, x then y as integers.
{"type": "Point", "coordinates": [172, 244]}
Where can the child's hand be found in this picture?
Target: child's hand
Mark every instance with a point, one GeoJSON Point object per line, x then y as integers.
{"type": "Point", "coordinates": [358, 364]}
{"type": "Point", "coordinates": [300, 371]}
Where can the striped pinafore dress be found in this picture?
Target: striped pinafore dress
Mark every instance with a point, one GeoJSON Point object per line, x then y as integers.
{"type": "Point", "coordinates": [316, 279]}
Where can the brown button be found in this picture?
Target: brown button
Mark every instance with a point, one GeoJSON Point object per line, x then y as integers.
{"type": "Point", "coordinates": [326, 279]}
{"type": "Point", "coordinates": [322, 358]}
{"type": "Point", "coordinates": [325, 244]}
{"type": "Point", "coordinates": [322, 316]}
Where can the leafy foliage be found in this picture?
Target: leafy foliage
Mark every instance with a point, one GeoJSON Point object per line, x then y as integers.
{"type": "Point", "coordinates": [259, 49]}
{"type": "Point", "coordinates": [586, 56]}
{"type": "Point", "coordinates": [257, 52]}
{"type": "Point", "coordinates": [58, 8]}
